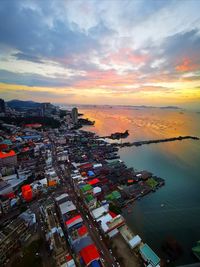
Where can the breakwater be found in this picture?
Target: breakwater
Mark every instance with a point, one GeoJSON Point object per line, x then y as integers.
{"type": "Point", "coordinates": [155, 141]}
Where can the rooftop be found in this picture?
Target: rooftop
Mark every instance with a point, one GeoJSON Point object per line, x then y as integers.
{"type": "Point", "coordinates": [67, 207]}
{"type": "Point", "coordinates": [149, 255]}
{"type": "Point", "coordinates": [3, 155]}
{"type": "Point", "coordinates": [89, 254]}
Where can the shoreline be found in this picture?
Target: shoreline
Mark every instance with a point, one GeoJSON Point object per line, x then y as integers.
{"type": "Point", "coordinates": [130, 203]}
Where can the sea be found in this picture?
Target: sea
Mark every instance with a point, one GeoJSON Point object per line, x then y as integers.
{"type": "Point", "coordinates": [173, 211]}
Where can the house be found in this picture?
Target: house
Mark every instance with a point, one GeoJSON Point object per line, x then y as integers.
{"type": "Point", "coordinates": [149, 256]}
{"type": "Point", "coordinates": [8, 158]}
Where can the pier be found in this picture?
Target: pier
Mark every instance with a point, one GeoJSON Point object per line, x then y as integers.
{"type": "Point", "coordinates": [155, 141]}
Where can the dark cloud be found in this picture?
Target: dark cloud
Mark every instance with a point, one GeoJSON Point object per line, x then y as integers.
{"type": "Point", "coordinates": [175, 51]}
{"type": "Point", "coordinates": [26, 30]}
{"type": "Point", "coordinates": [21, 56]}
{"type": "Point", "coordinates": [183, 45]}
{"type": "Point", "coordinates": [35, 80]}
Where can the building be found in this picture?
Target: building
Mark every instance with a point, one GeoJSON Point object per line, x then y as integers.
{"type": "Point", "coordinates": [74, 115]}
{"type": "Point", "coordinates": [55, 236]}
{"type": "Point", "coordinates": [8, 159]}
{"type": "Point", "coordinates": [11, 238]}
{"type": "Point", "coordinates": [149, 256]}
{"type": "Point", "coordinates": [89, 255]}
{"type": "Point", "coordinates": [2, 106]}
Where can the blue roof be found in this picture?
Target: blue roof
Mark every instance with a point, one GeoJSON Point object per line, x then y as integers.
{"type": "Point", "coordinates": [90, 173]}
{"type": "Point", "coordinates": [149, 255]}
{"type": "Point", "coordinates": [95, 263]}
{"type": "Point", "coordinates": [81, 243]}
{"type": "Point", "coordinates": [31, 137]}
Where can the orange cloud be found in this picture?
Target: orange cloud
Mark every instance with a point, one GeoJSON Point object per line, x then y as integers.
{"type": "Point", "coordinates": [186, 65]}
{"type": "Point", "coordinates": [103, 78]}
{"type": "Point", "coordinates": [126, 55]}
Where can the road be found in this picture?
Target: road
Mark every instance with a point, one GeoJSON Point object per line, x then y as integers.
{"type": "Point", "coordinates": [106, 253]}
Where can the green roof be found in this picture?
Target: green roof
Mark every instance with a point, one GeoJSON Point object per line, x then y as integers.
{"type": "Point", "coordinates": [115, 162]}
{"type": "Point", "coordinates": [151, 182]}
{"type": "Point", "coordinates": [86, 188]}
{"type": "Point", "coordinates": [89, 198]}
{"type": "Point", "coordinates": [114, 195]}
{"type": "Point", "coordinates": [149, 255]}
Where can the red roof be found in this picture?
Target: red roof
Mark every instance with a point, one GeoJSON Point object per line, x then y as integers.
{"type": "Point", "coordinates": [25, 149]}
{"type": "Point", "coordinates": [3, 146]}
{"type": "Point", "coordinates": [94, 181]}
{"type": "Point", "coordinates": [33, 125]}
{"type": "Point", "coordinates": [85, 166]}
{"type": "Point", "coordinates": [6, 155]}
{"type": "Point", "coordinates": [89, 254]}
{"type": "Point", "coordinates": [82, 230]}
{"type": "Point", "coordinates": [26, 187]}
{"type": "Point", "coordinates": [73, 219]}
{"type": "Point", "coordinates": [112, 214]}
{"type": "Point", "coordinates": [10, 195]}
{"type": "Point", "coordinates": [68, 257]}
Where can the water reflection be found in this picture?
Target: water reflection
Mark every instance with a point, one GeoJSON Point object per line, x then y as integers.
{"type": "Point", "coordinates": [177, 162]}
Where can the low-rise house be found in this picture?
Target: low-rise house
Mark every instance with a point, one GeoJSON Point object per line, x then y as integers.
{"type": "Point", "coordinates": [12, 236]}
{"type": "Point", "coordinates": [149, 256]}
{"type": "Point", "coordinates": [8, 158]}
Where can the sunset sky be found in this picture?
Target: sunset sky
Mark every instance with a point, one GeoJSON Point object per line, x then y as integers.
{"type": "Point", "coordinates": [141, 52]}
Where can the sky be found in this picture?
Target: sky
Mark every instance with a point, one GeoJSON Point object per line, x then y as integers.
{"type": "Point", "coordinates": [144, 52]}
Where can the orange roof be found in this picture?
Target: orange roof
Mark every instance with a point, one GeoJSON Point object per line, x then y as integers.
{"type": "Point", "coordinates": [6, 155]}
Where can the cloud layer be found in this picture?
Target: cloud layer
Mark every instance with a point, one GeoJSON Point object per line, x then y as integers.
{"type": "Point", "coordinates": [125, 52]}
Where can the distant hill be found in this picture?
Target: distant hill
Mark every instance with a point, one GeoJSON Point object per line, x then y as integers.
{"type": "Point", "coordinates": [170, 107]}
{"type": "Point", "coordinates": [20, 104]}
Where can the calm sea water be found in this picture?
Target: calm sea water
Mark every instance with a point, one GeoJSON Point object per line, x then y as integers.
{"type": "Point", "coordinates": [178, 162]}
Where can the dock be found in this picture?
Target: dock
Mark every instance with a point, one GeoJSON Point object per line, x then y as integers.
{"type": "Point", "coordinates": [156, 141]}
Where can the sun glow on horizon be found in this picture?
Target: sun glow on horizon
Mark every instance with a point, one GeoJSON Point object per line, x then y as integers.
{"type": "Point", "coordinates": [99, 60]}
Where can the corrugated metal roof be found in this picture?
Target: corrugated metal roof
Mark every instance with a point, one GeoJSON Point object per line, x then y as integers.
{"type": "Point", "coordinates": [149, 255]}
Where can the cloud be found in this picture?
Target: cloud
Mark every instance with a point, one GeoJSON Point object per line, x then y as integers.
{"type": "Point", "coordinates": [114, 47]}
{"type": "Point", "coordinates": [35, 79]}
{"type": "Point", "coordinates": [26, 30]}
{"type": "Point", "coordinates": [25, 57]}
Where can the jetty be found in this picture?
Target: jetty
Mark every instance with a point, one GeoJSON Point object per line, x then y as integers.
{"type": "Point", "coordinates": [116, 135]}
{"type": "Point", "coordinates": [155, 141]}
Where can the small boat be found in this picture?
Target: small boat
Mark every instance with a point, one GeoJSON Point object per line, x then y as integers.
{"type": "Point", "coordinates": [162, 205]}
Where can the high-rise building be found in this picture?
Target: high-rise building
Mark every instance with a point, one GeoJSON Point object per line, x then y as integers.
{"type": "Point", "coordinates": [2, 105]}
{"type": "Point", "coordinates": [74, 115]}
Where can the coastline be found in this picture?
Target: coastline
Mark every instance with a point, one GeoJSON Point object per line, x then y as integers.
{"type": "Point", "coordinates": [157, 151]}
{"type": "Point", "coordinates": [143, 177]}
